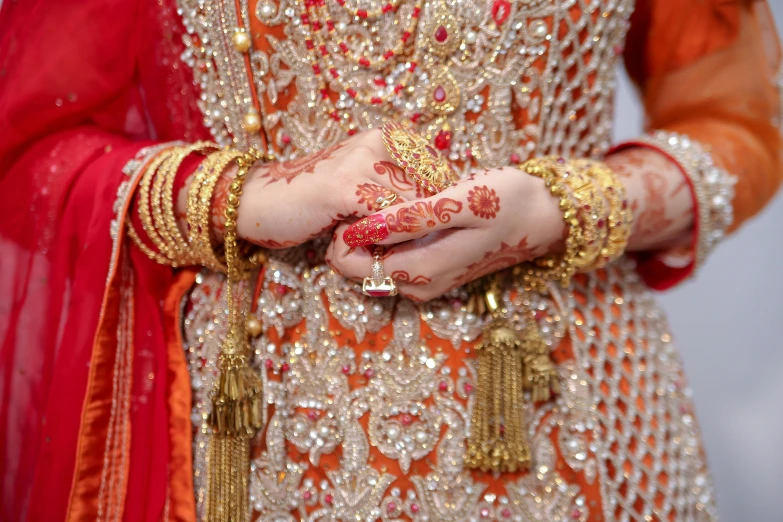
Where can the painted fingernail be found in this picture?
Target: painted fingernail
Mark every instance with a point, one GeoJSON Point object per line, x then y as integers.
{"type": "Point", "coordinates": [367, 231]}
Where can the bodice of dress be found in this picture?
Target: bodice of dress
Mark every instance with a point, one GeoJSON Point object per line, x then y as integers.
{"type": "Point", "coordinates": [513, 79]}
{"type": "Point", "coordinates": [369, 399]}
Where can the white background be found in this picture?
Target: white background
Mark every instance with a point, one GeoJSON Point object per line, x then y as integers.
{"type": "Point", "coordinates": [728, 325]}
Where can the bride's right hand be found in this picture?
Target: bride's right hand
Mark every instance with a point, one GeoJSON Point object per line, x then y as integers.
{"type": "Point", "coordinates": [286, 204]}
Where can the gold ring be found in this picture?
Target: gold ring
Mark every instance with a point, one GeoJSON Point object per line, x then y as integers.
{"type": "Point", "coordinates": [378, 284]}
{"type": "Point", "coordinates": [421, 162]}
{"type": "Point", "coordinates": [386, 202]}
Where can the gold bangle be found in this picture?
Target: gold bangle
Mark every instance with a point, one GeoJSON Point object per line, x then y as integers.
{"type": "Point", "coordinates": [590, 210]}
{"type": "Point", "coordinates": [620, 218]}
{"type": "Point", "coordinates": [199, 205]}
{"type": "Point", "coordinates": [163, 200]}
{"type": "Point", "coordinates": [554, 268]}
{"type": "Point", "coordinates": [144, 202]}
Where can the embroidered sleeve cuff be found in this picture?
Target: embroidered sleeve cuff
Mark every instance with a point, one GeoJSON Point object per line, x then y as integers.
{"type": "Point", "coordinates": [712, 189]}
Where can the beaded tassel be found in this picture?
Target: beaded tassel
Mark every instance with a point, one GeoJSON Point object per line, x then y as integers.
{"type": "Point", "coordinates": [237, 400]}
{"type": "Point", "coordinates": [540, 375]}
{"type": "Point", "coordinates": [498, 441]}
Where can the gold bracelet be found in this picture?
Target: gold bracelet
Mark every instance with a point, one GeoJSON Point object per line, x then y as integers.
{"type": "Point", "coordinates": [163, 201]}
{"type": "Point", "coordinates": [144, 203]}
{"type": "Point", "coordinates": [199, 206]}
{"type": "Point", "coordinates": [157, 216]}
{"type": "Point", "coordinates": [620, 218]}
{"type": "Point", "coordinates": [590, 210]}
{"type": "Point", "coordinates": [559, 268]}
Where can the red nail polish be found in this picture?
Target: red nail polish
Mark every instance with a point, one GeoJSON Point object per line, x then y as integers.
{"type": "Point", "coordinates": [367, 231]}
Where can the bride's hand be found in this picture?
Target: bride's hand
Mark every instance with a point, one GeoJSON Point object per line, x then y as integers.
{"type": "Point", "coordinates": [288, 203]}
{"type": "Point", "coordinates": [491, 221]}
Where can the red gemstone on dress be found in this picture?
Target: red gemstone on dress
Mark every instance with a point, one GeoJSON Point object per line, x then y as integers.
{"type": "Point", "coordinates": [406, 420]}
{"type": "Point", "coordinates": [316, 69]}
{"type": "Point", "coordinates": [387, 8]}
{"type": "Point", "coordinates": [268, 363]}
{"type": "Point", "coordinates": [506, 513]}
{"type": "Point", "coordinates": [361, 13]}
{"type": "Point", "coordinates": [305, 19]}
{"type": "Point", "coordinates": [468, 388]}
{"type": "Point", "coordinates": [309, 44]}
{"type": "Point", "coordinates": [351, 92]}
{"type": "Point", "coordinates": [364, 62]}
{"type": "Point", "coordinates": [416, 12]}
{"type": "Point", "coordinates": [443, 386]}
{"type": "Point", "coordinates": [346, 369]}
{"type": "Point", "coordinates": [416, 117]}
{"type": "Point", "coordinates": [323, 50]}
{"type": "Point", "coordinates": [344, 47]}
{"type": "Point", "coordinates": [500, 11]}
{"type": "Point", "coordinates": [307, 495]}
{"type": "Point", "coordinates": [380, 82]}
{"type": "Point", "coordinates": [324, 93]}
{"type": "Point", "coordinates": [334, 72]}
{"type": "Point", "coordinates": [369, 373]}
{"type": "Point", "coordinates": [312, 415]}
{"type": "Point", "coordinates": [391, 506]}
{"type": "Point", "coordinates": [284, 367]}
{"type": "Point", "coordinates": [286, 139]}
{"type": "Point", "coordinates": [328, 498]}
{"type": "Point", "coordinates": [316, 25]}
{"type": "Point", "coordinates": [376, 101]}
{"type": "Point", "coordinates": [440, 94]}
{"type": "Point", "coordinates": [443, 140]}
{"type": "Point", "coordinates": [398, 88]}
{"type": "Point", "coordinates": [414, 508]}
{"type": "Point", "coordinates": [388, 54]}
{"type": "Point", "coordinates": [330, 25]}
{"type": "Point", "coordinates": [405, 36]}
{"type": "Point", "coordinates": [515, 159]}
{"type": "Point", "coordinates": [441, 34]}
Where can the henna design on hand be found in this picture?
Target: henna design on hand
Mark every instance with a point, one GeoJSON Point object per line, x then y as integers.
{"type": "Point", "coordinates": [422, 214]}
{"type": "Point", "coordinates": [483, 202]}
{"type": "Point", "coordinates": [401, 276]}
{"type": "Point", "coordinates": [504, 257]}
{"type": "Point", "coordinates": [369, 193]}
{"type": "Point", "coordinates": [653, 220]}
{"type": "Point", "coordinates": [289, 170]}
{"type": "Point", "coordinates": [397, 177]}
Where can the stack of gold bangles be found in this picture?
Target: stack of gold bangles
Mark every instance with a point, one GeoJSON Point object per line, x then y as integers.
{"type": "Point", "coordinates": [596, 214]}
{"type": "Point", "coordinates": [157, 213]}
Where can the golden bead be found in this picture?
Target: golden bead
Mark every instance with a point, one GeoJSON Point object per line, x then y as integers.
{"type": "Point", "coordinates": [253, 327]}
{"type": "Point", "coordinates": [252, 122]}
{"type": "Point", "coordinates": [241, 40]}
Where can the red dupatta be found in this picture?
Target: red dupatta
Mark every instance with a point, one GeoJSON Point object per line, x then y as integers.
{"type": "Point", "coordinates": [91, 368]}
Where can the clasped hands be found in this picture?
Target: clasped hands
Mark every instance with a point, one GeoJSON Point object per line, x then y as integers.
{"type": "Point", "coordinates": [495, 219]}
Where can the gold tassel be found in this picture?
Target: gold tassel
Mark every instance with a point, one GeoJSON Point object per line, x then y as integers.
{"type": "Point", "coordinates": [498, 441]}
{"type": "Point", "coordinates": [235, 419]}
{"type": "Point", "coordinates": [540, 374]}
{"type": "Point", "coordinates": [237, 400]}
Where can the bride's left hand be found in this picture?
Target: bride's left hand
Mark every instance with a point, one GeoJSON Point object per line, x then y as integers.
{"type": "Point", "coordinates": [493, 220]}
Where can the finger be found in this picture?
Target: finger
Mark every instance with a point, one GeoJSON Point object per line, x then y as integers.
{"type": "Point", "coordinates": [412, 220]}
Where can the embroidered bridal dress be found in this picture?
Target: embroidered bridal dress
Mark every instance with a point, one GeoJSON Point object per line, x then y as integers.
{"type": "Point", "coordinates": [108, 358]}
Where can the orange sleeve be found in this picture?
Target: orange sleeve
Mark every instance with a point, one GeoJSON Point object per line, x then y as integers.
{"type": "Point", "coordinates": [710, 79]}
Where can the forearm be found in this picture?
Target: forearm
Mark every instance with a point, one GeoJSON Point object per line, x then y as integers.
{"type": "Point", "coordinates": [659, 196]}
